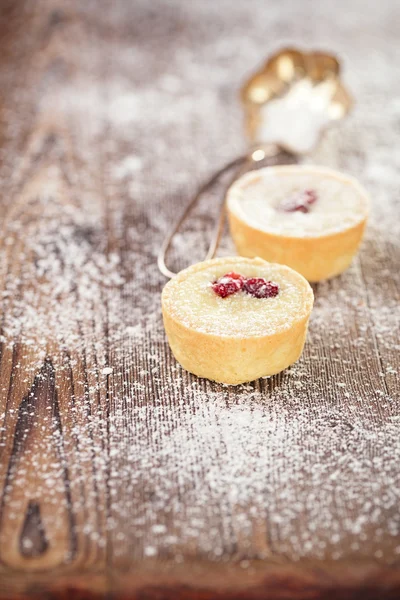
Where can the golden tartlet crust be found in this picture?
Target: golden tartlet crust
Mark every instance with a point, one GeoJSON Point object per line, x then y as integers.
{"type": "Point", "coordinates": [249, 337]}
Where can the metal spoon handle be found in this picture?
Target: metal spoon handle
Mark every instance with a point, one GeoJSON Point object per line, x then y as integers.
{"type": "Point", "coordinates": [273, 154]}
{"type": "Point", "coordinates": [161, 259]}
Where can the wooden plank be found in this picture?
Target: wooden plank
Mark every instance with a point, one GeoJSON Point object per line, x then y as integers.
{"type": "Point", "coordinates": [121, 475]}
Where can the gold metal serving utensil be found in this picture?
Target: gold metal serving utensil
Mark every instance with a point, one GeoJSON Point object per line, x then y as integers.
{"type": "Point", "coordinates": [287, 105]}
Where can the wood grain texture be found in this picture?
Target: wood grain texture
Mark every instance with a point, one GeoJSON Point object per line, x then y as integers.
{"type": "Point", "coordinates": [122, 476]}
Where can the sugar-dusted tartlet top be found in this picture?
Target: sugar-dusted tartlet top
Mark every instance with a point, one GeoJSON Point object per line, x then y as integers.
{"type": "Point", "coordinates": [258, 198]}
{"type": "Point", "coordinates": [189, 299]}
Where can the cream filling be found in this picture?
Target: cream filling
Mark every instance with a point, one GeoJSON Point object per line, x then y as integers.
{"type": "Point", "coordinates": [193, 302]}
{"type": "Point", "coordinates": [257, 196]}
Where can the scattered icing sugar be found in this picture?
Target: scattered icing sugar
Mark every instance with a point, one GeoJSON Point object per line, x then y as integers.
{"type": "Point", "coordinates": [128, 167]}
{"type": "Point", "coordinates": [293, 465]}
{"type": "Point", "coordinates": [257, 197]}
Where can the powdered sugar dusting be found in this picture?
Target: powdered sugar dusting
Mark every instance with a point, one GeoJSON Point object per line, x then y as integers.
{"type": "Point", "coordinates": [159, 463]}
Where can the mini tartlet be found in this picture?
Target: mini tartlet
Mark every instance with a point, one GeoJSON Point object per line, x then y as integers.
{"type": "Point", "coordinates": [233, 320]}
{"type": "Point", "coordinates": [309, 218]}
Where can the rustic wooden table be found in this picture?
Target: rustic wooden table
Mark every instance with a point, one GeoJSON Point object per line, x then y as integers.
{"type": "Point", "coordinates": [121, 475]}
